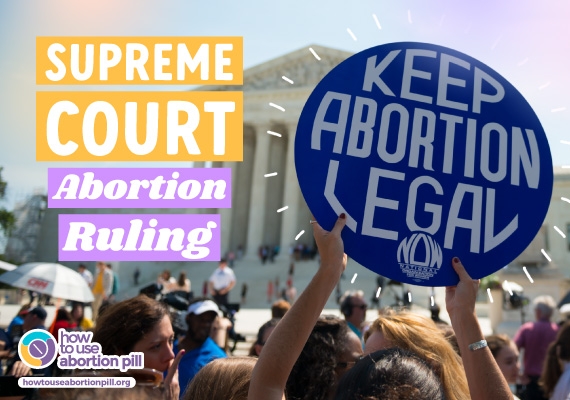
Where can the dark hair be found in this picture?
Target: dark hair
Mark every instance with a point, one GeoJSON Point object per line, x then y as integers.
{"type": "Point", "coordinates": [279, 308]}
{"type": "Point", "coordinates": [182, 279]}
{"type": "Point", "coordinates": [77, 305]}
{"type": "Point", "coordinates": [261, 332]}
{"type": "Point", "coordinates": [123, 324]}
{"type": "Point", "coordinates": [390, 374]}
{"type": "Point", "coordinates": [63, 315]}
{"type": "Point", "coordinates": [313, 374]}
{"type": "Point", "coordinates": [105, 305]}
{"type": "Point", "coordinates": [558, 350]}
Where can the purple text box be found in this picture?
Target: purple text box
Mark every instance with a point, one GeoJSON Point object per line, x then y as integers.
{"type": "Point", "coordinates": [139, 187]}
{"type": "Point", "coordinates": [137, 237]}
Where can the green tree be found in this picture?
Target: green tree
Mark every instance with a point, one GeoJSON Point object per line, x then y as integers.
{"type": "Point", "coordinates": [7, 218]}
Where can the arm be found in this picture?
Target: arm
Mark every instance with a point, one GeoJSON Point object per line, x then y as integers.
{"type": "Point", "coordinates": [483, 374]}
{"type": "Point", "coordinates": [283, 347]}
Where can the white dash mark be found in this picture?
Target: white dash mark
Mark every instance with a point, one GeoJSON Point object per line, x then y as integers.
{"type": "Point", "coordinates": [545, 255]}
{"type": "Point", "coordinates": [277, 107]}
{"type": "Point", "coordinates": [270, 175]}
{"type": "Point", "coordinates": [489, 294]}
{"type": "Point", "coordinates": [441, 20]}
{"type": "Point", "coordinates": [432, 301]}
{"type": "Point", "coordinates": [376, 20]}
{"type": "Point", "coordinates": [558, 109]}
{"type": "Point", "coordinates": [508, 287]}
{"type": "Point", "coordinates": [287, 79]}
{"type": "Point", "coordinates": [565, 166]}
{"type": "Point", "coordinates": [410, 297]}
{"type": "Point", "coordinates": [38, 350]}
{"type": "Point", "coordinates": [547, 84]}
{"type": "Point", "coordinates": [565, 199]}
{"type": "Point", "coordinates": [283, 209]}
{"type": "Point", "coordinates": [351, 34]}
{"type": "Point", "coordinates": [559, 231]}
{"type": "Point", "coordinates": [410, 17]}
{"type": "Point", "coordinates": [315, 54]}
{"type": "Point", "coordinates": [528, 275]}
{"type": "Point", "coordinates": [274, 133]}
{"type": "Point", "coordinates": [565, 142]}
{"type": "Point", "coordinates": [299, 234]}
{"type": "Point", "coordinates": [354, 278]}
{"type": "Point", "coordinates": [496, 43]}
{"type": "Point", "coordinates": [378, 291]}
{"type": "Point", "coordinates": [468, 29]}
{"type": "Point", "coordinates": [523, 62]}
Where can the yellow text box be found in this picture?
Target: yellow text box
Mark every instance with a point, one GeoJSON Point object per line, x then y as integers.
{"type": "Point", "coordinates": [160, 60]}
{"type": "Point", "coordinates": [139, 126]}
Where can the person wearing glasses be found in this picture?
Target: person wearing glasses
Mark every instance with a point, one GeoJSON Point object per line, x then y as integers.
{"type": "Point", "coordinates": [353, 307]}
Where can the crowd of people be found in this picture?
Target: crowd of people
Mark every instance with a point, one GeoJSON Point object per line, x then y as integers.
{"type": "Point", "coordinates": [301, 354]}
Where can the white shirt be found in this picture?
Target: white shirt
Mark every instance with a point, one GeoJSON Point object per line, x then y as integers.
{"type": "Point", "coordinates": [562, 388]}
{"type": "Point", "coordinates": [222, 278]}
{"type": "Point", "coordinates": [88, 276]}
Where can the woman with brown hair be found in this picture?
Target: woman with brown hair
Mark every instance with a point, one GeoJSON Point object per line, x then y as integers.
{"type": "Point", "coordinates": [63, 320]}
{"type": "Point", "coordinates": [141, 324]}
{"type": "Point", "coordinates": [555, 379]}
{"type": "Point", "coordinates": [182, 284]}
{"type": "Point", "coordinates": [506, 355]}
{"type": "Point", "coordinates": [222, 379]}
{"type": "Point", "coordinates": [421, 336]}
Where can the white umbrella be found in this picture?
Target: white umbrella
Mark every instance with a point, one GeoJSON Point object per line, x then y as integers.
{"type": "Point", "coordinates": [7, 266]}
{"type": "Point", "coordinates": [52, 279]}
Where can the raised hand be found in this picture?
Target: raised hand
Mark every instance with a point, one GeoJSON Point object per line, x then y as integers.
{"type": "Point", "coordinates": [461, 298]}
{"type": "Point", "coordinates": [331, 247]}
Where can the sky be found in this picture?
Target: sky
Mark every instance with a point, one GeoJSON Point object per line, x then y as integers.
{"type": "Point", "coordinates": [528, 42]}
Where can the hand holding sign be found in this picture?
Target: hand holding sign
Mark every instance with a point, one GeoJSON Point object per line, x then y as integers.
{"type": "Point", "coordinates": [331, 248]}
{"type": "Point", "coordinates": [430, 153]}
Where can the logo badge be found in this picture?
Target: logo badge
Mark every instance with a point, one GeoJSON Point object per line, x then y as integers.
{"type": "Point", "coordinates": [37, 348]}
{"type": "Point", "coordinates": [420, 257]}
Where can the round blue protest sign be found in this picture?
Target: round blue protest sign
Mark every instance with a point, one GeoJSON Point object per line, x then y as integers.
{"type": "Point", "coordinates": [431, 154]}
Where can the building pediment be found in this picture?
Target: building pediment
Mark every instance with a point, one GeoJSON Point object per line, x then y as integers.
{"type": "Point", "coordinates": [300, 66]}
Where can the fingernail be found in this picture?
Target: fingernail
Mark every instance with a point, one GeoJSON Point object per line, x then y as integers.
{"type": "Point", "coordinates": [342, 216]}
{"type": "Point", "coordinates": [455, 259]}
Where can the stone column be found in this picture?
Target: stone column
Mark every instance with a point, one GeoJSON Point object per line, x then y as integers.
{"type": "Point", "coordinates": [289, 228]}
{"type": "Point", "coordinates": [258, 190]}
{"type": "Point", "coordinates": [226, 215]}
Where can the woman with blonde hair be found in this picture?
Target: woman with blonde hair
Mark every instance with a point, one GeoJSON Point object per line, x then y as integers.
{"type": "Point", "coordinates": [421, 336]}
{"type": "Point", "coordinates": [272, 370]}
{"type": "Point", "coordinates": [222, 379]}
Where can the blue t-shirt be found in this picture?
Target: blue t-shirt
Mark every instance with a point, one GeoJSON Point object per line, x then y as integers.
{"type": "Point", "coordinates": [18, 320]}
{"type": "Point", "coordinates": [194, 360]}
